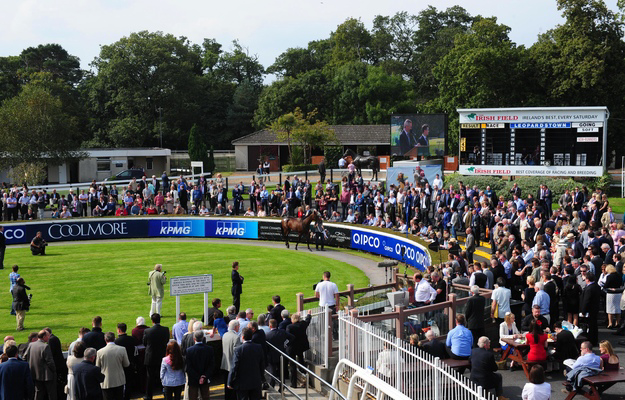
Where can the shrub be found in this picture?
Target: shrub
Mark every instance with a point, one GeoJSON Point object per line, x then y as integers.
{"type": "Point", "coordinates": [299, 167]}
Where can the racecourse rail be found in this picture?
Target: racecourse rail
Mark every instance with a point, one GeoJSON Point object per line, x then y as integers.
{"type": "Point", "coordinates": [347, 236]}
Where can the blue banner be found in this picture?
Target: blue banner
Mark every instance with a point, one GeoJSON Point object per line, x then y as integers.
{"type": "Point", "coordinates": [177, 227]}
{"type": "Point", "coordinates": [391, 247]}
{"type": "Point", "coordinates": [232, 228]}
{"type": "Point", "coordinates": [540, 125]}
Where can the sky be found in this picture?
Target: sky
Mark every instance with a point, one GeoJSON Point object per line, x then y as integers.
{"type": "Point", "coordinates": [266, 28]}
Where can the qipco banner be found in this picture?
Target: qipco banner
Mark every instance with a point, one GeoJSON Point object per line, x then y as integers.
{"type": "Point", "coordinates": [76, 230]}
{"type": "Point", "coordinates": [390, 246]}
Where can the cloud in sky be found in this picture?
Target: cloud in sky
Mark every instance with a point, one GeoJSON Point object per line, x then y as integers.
{"type": "Point", "coordinates": [266, 28]}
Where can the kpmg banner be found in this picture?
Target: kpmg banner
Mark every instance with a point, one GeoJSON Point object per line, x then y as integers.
{"type": "Point", "coordinates": [75, 230]}
{"type": "Point", "coordinates": [390, 246]}
{"type": "Point", "coordinates": [176, 227]}
{"type": "Point", "coordinates": [232, 228]}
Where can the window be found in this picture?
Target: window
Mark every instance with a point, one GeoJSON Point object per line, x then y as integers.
{"type": "Point", "coordinates": [148, 163]}
{"type": "Point", "coordinates": [104, 164]}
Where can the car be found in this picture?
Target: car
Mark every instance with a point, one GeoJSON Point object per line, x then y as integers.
{"type": "Point", "coordinates": [128, 174]}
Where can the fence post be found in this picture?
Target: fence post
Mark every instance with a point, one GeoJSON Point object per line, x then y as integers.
{"type": "Point", "coordinates": [279, 179]}
{"type": "Point", "coordinates": [329, 335]}
{"type": "Point", "coordinates": [306, 175]}
{"type": "Point", "coordinates": [226, 183]}
{"type": "Point", "coordinates": [437, 372]}
{"type": "Point", "coordinates": [331, 174]}
{"type": "Point", "coordinates": [399, 327]}
{"type": "Point", "coordinates": [398, 364]}
{"type": "Point", "coordinates": [452, 310]}
{"type": "Point", "coordinates": [300, 302]}
{"type": "Point", "coordinates": [395, 274]}
{"type": "Point", "coordinates": [350, 297]}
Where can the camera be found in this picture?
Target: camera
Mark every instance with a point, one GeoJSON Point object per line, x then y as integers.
{"type": "Point", "coordinates": [315, 285]}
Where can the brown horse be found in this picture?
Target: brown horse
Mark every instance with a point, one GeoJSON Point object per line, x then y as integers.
{"type": "Point", "coordinates": [299, 225]}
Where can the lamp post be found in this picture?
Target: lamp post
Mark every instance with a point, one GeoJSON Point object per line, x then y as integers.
{"type": "Point", "coordinates": [160, 124]}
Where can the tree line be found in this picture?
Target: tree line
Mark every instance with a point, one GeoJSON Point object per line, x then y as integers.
{"type": "Point", "coordinates": [153, 85]}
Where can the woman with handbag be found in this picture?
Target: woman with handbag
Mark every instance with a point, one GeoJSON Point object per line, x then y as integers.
{"type": "Point", "coordinates": [613, 288]}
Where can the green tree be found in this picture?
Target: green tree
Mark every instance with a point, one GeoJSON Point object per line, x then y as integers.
{"type": "Point", "coordinates": [210, 166]}
{"type": "Point", "coordinates": [284, 126]}
{"type": "Point", "coordinates": [34, 128]}
{"type": "Point", "coordinates": [197, 146]}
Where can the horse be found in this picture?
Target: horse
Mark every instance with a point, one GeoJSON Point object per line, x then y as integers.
{"type": "Point", "coordinates": [302, 226]}
{"type": "Point", "coordinates": [362, 161]}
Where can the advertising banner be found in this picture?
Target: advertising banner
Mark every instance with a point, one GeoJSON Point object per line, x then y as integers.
{"type": "Point", "coordinates": [529, 170]}
{"type": "Point", "coordinates": [390, 246]}
{"type": "Point", "coordinates": [75, 230]}
{"type": "Point", "coordinates": [520, 115]}
{"type": "Point", "coordinates": [177, 227]}
{"type": "Point", "coordinates": [232, 228]}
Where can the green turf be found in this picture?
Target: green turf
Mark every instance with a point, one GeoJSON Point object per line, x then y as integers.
{"type": "Point", "coordinates": [617, 204]}
{"type": "Point", "coordinates": [75, 282]}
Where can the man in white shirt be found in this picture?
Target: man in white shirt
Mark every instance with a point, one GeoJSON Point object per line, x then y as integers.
{"type": "Point", "coordinates": [327, 292]}
{"type": "Point", "coordinates": [437, 182]}
{"type": "Point", "coordinates": [424, 293]}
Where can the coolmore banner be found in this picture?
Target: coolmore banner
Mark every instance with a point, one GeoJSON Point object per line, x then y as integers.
{"type": "Point", "coordinates": [232, 228]}
{"type": "Point", "coordinates": [390, 246]}
{"type": "Point", "coordinates": [76, 230]}
{"type": "Point", "coordinates": [177, 227]}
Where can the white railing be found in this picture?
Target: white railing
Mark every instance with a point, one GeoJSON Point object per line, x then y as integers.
{"type": "Point", "coordinates": [320, 336]}
{"type": "Point", "coordinates": [412, 372]}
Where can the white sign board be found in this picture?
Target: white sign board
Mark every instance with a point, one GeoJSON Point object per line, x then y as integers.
{"type": "Point", "coordinates": [587, 125]}
{"type": "Point", "coordinates": [181, 285]}
{"type": "Point", "coordinates": [588, 139]}
{"type": "Point", "coordinates": [587, 129]}
{"type": "Point", "coordinates": [520, 115]}
{"type": "Point", "coordinates": [530, 170]}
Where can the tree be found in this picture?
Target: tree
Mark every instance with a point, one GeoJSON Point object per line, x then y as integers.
{"type": "Point", "coordinates": [197, 146]}
{"type": "Point", "coordinates": [34, 128]}
{"type": "Point", "coordinates": [284, 126]}
{"type": "Point", "coordinates": [28, 173]}
{"type": "Point", "coordinates": [210, 165]}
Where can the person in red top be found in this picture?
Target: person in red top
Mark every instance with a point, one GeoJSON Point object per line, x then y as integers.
{"type": "Point", "coordinates": [121, 211]}
{"type": "Point", "coordinates": [537, 340]}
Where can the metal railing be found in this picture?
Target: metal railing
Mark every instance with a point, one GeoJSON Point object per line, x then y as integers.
{"type": "Point", "coordinates": [409, 370]}
{"type": "Point", "coordinates": [320, 336]}
{"type": "Point", "coordinates": [366, 375]}
{"type": "Point", "coordinates": [284, 357]}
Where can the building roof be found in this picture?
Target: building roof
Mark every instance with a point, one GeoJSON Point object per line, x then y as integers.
{"type": "Point", "coordinates": [346, 135]}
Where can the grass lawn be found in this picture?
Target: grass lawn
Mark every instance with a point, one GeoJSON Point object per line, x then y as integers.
{"type": "Point", "coordinates": [75, 282]}
{"type": "Point", "coordinates": [617, 204]}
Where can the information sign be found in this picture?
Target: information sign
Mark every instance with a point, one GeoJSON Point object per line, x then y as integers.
{"type": "Point", "coordinates": [181, 285]}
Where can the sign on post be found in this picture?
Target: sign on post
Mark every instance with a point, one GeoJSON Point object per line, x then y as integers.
{"type": "Point", "coordinates": [182, 285]}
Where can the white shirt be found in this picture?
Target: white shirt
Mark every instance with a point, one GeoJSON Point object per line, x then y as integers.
{"type": "Point", "coordinates": [424, 292]}
{"type": "Point", "coordinates": [438, 183]}
{"type": "Point", "coordinates": [536, 392]}
{"type": "Point", "coordinates": [326, 290]}
{"type": "Point", "coordinates": [502, 296]}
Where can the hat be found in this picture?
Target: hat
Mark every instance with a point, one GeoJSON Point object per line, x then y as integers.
{"type": "Point", "coordinates": [452, 240]}
{"type": "Point", "coordinates": [570, 236]}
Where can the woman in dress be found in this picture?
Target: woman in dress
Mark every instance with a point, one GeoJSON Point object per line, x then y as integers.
{"type": "Point", "coordinates": [75, 358]}
{"type": "Point", "coordinates": [528, 295]}
{"type": "Point", "coordinates": [537, 340]}
{"type": "Point", "coordinates": [609, 360]}
{"type": "Point", "coordinates": [571, 295]}
{"type": "Point", "coordinates": [613, 287]}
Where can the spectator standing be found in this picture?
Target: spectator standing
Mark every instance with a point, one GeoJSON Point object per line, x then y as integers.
{"type": "Point", "coordinates": [15, 378]}
{"type": "Point", "coordinates": [199, 367]}
{"type": "Point", "coordinates": [180, 328]}
{"type": "Point", "coordinates": [3, 246]}
{"type": "Point", "coordinates": [155, 340]}
{"type": "Point", "coordinates": [95, 338]}
{"type": "Point", "coordinates": [327, 292]}
{"type": "Point", "coordinates": [237, 286]}
{"type": "Point", "coordinates": [172, 372]}
{"type": "Point", "coordinates": [156, 280]}
{"type": "Point", "coordinates": [21, 302]}
{"type": "Point", "coordinates": [13, 277]}
{"type": "Point", "coordinates": [474, 313]}
{"type": "Point", "coordinates": [279, 339]}
{"type": "Point", "coordinates": [470, 245]}
{"type": "Point", "coordinates": [59, 363]}
{"type": "Point", "coordinates": [299, 344]}
{"type": "Point", "coordinates": [229, 342]}
{"type": "Point", "coordinates": [248, 367]}
{"type": "Point", "coordinates": [129, 343]}
{"type": "Point", "coordinates": [500, 305]}
{"type": "Point", "coordinates": [589, 306]}
{"type": "Point", "coordinates": [88, 377]}
{"type": "Point", "coordinates": [424, 293]}
{"type": "Point", "coordinates": [42, 368]}
{"type": "Point", "coordinates": [112, 359]}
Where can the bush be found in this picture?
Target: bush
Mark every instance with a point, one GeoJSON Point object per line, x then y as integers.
{"type": "Point", "coordinates": [528, 184]}
{"type": "Point", "coordinates": [332, 154]}
{"type": "Point", "coordinates": [299, 167]}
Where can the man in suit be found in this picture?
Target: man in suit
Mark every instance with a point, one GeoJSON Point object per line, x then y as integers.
{"type": "Point", "coordinates": [299, 344]}
{"type": "Point", "coordinates": [228, 342]}
{"type": "Point", "coordinates": [423, 140]}
{"type": "Point", "coordinates": [3, 246]}
{"type": "Point", "coordinates": [434, 347]}
{"type": "Point", "coordinates": [59, 363]}
{"type": "Point", "coordinates": [199, 367]}
{"type": "Point", "coordinates": [237, 285]}
{"type": "Point", "coordinates": [276, 311]}
{"type": "Point", "coordinates": [248, 367]}
{"type": "Point", "coordinates": [88, 377]}
{"type": "Point", "coordinates": [589, 306]}
{"type": "Point", "coordinates": [16, 382]}
{"type": "Point", "coordinates": [566, 347]}
{"type": "Point", "coordinates": [406, 141]}
{"type": "Point", "coordinates": [21, 302]}
{"type": "Point", "coordinates": [128, 343]}
{"type": "Point", "coordinates": [474, 313]}
{"type": "Point", "coordinates": [155, 340]}
{"type": "Point", "coordinates": [578, 200]}
{"type": "Point", "coordinates": [286, 320]}
{"type": "Point", "coordinates": [483, 367]}
{"type": "Point", "coordinates": [214, 312]}
{"type": "Point", "coordinates": [95, 338]}
{"type": "Point", "coordinates": [112, 359]}
{"type": "Point", "coordinates": [470, 243]}
{"type": "Point", "coordinates": [280, 339]}
{"type": "Point", "coordinates": [156, 290]}
{"type": "Point", "coordinates": [42, 368]}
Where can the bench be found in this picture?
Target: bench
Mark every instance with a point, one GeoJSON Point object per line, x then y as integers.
{"type": "Point", "coordinates": [599, 384]}
{"type": "Point", "coordinates": [527, 366]}
{"type": "Point", "coordinates": [456, 364]}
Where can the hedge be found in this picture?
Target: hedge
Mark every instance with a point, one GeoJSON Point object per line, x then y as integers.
{"type": "Point", "coordinates": [528, 184]}
{"type": "Point", "coordinates": [299, 167]}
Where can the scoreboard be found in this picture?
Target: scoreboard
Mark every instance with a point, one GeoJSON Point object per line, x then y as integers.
{"type": "Point", "coordinates": [555, 141]}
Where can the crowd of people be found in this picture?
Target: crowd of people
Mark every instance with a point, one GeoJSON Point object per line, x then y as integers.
{"type": "Point", "coordinates": [118, 364]}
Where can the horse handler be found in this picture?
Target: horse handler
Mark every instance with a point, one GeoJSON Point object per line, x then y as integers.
{"type": "Point", "coordinates": [320, 233]}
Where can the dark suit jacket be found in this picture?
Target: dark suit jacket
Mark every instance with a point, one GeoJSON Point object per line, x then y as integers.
{"type": "Point", "coordinates": [275, 313]}
{"type": "Point", "coordinates": [155, 340]}
{"type": "Point", "coordinates": [57, 356]}
{"type": "Point", "coordinates": [405, 142]}
{"type": "Point", "coordinates": [248, 367]}
{"type": "Point", "coordinates": [200, 361]}
{"type": "Point", "coordinates": [298, 329]}
{"type": "Point", "coordinates": [566, 347]}
{"type": "Point", "coordinates": [87, 379]}
{"type": "Point", "coordinates": [237, 283]}
{"type": "Point", "coordinates": [280, 339]}
{"type": "Point", "coordinates": [260, 338]}
{"type": "Point", "coordinates": [591, 299]}
{"type": "Point", "coordinates": [285, 322]}
{"type": "Point", "coordinates": [483, 367]}
{"type": "Point", "coordinates": [94, 339]}
{"type": "Point", "coordinates": [16, 383]}
{"type": "Point", "coordinates": [474, 312]}
{"type": "Point", "coordinates": [129, 343]}
{"type": "Point", "coordinates": [436, 349]}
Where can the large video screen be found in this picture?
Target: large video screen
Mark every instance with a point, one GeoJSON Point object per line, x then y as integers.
{"type": "Point", "coordinates": [418, 135]}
